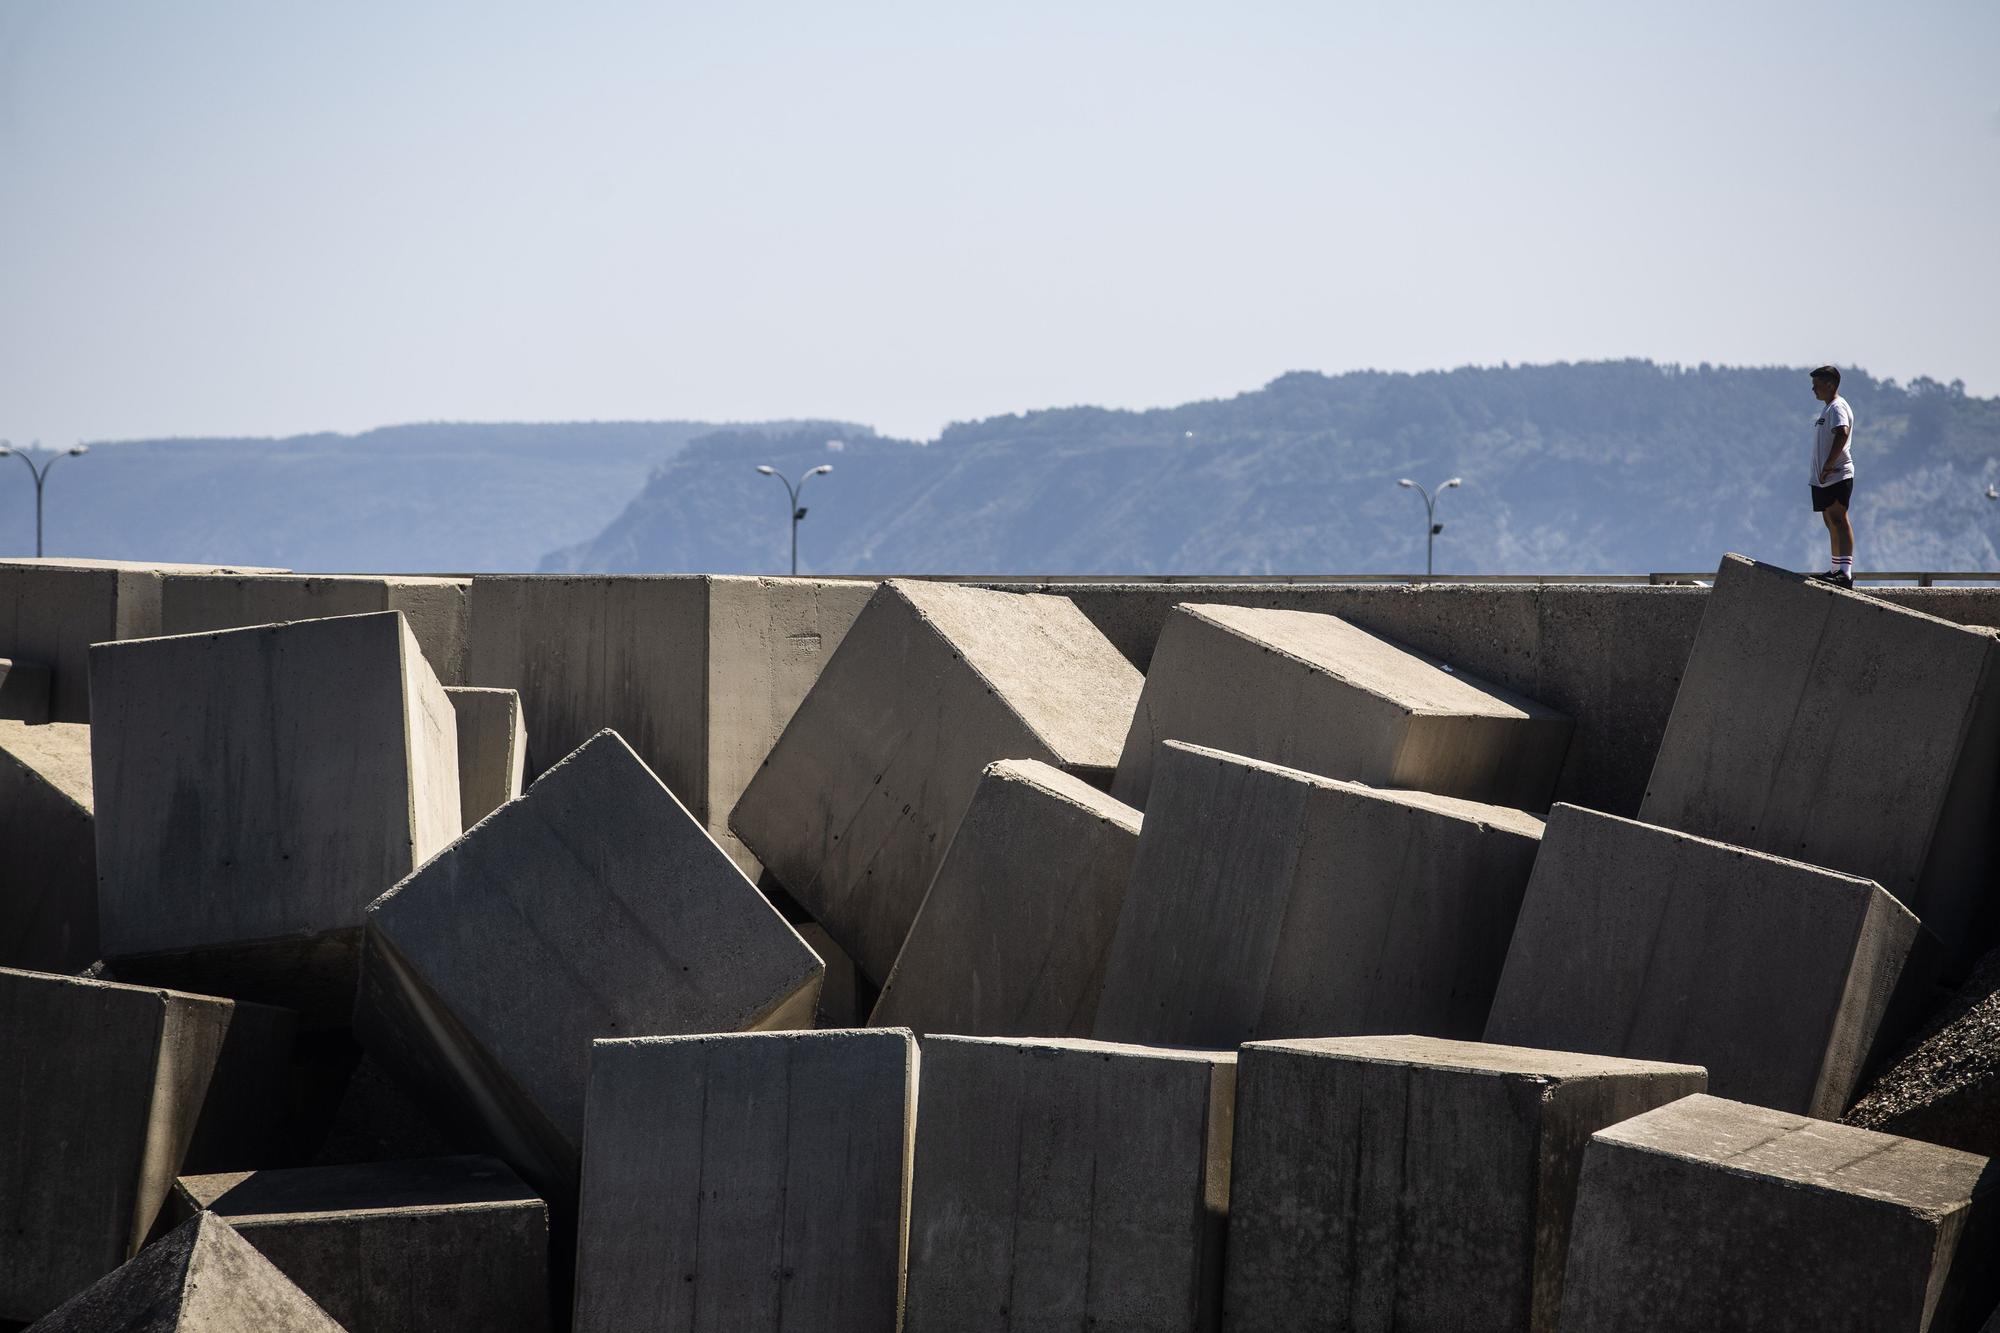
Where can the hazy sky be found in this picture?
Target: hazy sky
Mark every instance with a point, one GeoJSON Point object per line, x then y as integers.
{"type": "Point", "coordinates": [264, 218]}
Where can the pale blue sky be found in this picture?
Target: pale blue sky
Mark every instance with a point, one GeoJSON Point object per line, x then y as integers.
{"type": "Point", "coordinates": [264, 218]}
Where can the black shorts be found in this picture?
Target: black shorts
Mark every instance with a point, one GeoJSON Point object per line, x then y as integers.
{"type": "Point", "coordinates": [1837, 494]}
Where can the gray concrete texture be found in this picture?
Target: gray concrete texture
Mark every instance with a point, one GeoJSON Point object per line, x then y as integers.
{"type": "Point", "coordinates": [1012, 938]}
{"type": "Point", "coordinates": [747, 1183]}
{"type": "Point", "coordinates": [24, 691]}
{"type": "Point", "coordinates": [437, 609]}
{"type": "Point", "coordinates": [1313, 692]}
{"type": "Point", "coordinates": [1708, 1214]}
{"type": "Point", "coordinates": [1944, 1086]}
{"type": "Point", "coordinates": [107, 1092]}
{"type": "Point", "coordinates": [492, 749]}
{"type": "Point", "coordinates": [594, 906]}
{"type": "Point", "coordinates": [856, 805]}
{"type": "Point", "coordinates": [1409, 1183]}
{"type": "Point", "coordinates": [1640, 941]}
{"type": "Point", "coordinates": [1826, 725]}
{"type": "Point", "coordinates": [1069, 1184]}
{"type": "Point", "coordinates": [48, 848]}
{"type": "Point", "coordinates": [1266, 902]}
{"type": "Point", "coordinates": [256, 790]}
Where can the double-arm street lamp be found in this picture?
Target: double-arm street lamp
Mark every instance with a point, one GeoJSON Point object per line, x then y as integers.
{"type": "Point", "coordinates": [41, 476]}
{"type": "Point", "coordinates": [1431, 526]}
{"type": "Point", "coordinates": [796, 509]}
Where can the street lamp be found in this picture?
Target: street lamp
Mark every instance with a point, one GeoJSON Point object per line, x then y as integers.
{"type": "Point", "coordinates": [1431, 526]}
{"type": "Point", "coordinates": [796, 509]}
{"type": "Point", "coordinates": [41, 476]}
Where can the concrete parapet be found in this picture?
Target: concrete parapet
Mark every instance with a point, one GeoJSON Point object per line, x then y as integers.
{"type": "Point", "coordinates": [24, 691]}
{"type": "Point", "coordinates": [48, 889]}
{"type": "Point", "coordinates": [437, 609]}
{"type": "Point", "coordinates": [492, 749]}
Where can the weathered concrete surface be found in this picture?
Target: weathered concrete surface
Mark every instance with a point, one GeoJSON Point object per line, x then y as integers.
{"type": "Point", "coordinates": [256, 790]}
{"type": "Point", "coordinates": [1643, 942]}
{"type": "Point", "coordinates": [856, 805]}
{"type": "Point", "coordinates": [747, 1183]}
{"type": "Point", "coordinates": [1313, 692]}
{"type": "Point", "coordinates": [107, 1092]}
{"type": "Point", "coordinates": [437, 609]}
{"type": "Point", "coordinates": [48, 849]}
{"type": "Point", "coordinates": [492, 749]}
{"type": "Point", "coordinates": [396, 1247]}
{"type": "Point", "coordinates": [1708, 1214]}
{"type": "Point", "coordinates": [594, 906]}
{"type": "Point", "coordinates": [24, 691]}
{"type": "Point", "coordinates": [202, 1278]}
{"type": "Point", "coordinates": [1069, 1184]}
{"type": "Point", "coordinates": [1012, 937]}
{"type": "Point", "coordinates": [1407, 1183]}
{"type": "Point", "coordinates": [1266, 902]}
{"type": "Point", "coordinates": [1789, 682]}
{"type": "Point", "coordinates": [1944, 1087]}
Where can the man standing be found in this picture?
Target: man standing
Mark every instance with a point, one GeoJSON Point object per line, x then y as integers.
{"type": "Point", "coordinates": [1833, 472]}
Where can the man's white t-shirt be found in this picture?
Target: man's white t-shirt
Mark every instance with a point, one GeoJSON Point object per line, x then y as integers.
{"type": "Point", "coordinates": [1831, 417]}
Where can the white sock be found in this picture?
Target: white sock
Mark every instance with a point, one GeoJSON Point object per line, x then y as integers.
{"type": "Point", "coordinates": [1844, 564]}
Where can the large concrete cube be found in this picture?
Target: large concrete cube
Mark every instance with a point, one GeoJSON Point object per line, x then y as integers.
{"type": "Point", "coordinates": [1266, 902]}
{"type": "Point", "coordinates": [1069, 1184]}
{"type": "Point", "coordinates": [747, 1183]}
{"type": "Point", "coordinates": [1640, 941]}
{"type": "Point", "coordinates": [1945, 1086]}
{"type": "Point", "coordinates": [48, 848]}
{"type": "Point", "coordinates": [492, 749]}
{"type": "Point", "coordinates": [594, 906]}
{"type": "Point", "coordinates": [1708, 1214]}
{"type": "Point", "coordinates": [1316, 693]}
{"type": "Point", "coordinates": [107, 1092]}
{"type": "Point", "coordinates": [1408, 1183]}
{"type": "Point", "coordinates": [256, 790]}
{"type": "Point", "coordinates": [1832, 727]}
{"type": "Point", "coordinates": [856, 805]}
{"type": "Point", "coordinates": [437, 609]}
{"type": "Point", "coordinates": [1012, 937]}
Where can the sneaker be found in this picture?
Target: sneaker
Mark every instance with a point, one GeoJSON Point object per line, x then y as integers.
{"type": "Point", "coordinates": [1837, 580]}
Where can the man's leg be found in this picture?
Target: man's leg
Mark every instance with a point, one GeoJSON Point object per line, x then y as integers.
{"type": "Point", "coordinates": [1840, 530]}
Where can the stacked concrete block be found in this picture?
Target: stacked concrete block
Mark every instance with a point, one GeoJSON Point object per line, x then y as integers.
{"type": "Point", "coordinates": [1410, 1183]}
{"type": "Point", "coordinates": [1945, 1087]}
{"type": "Point", "coordinates": [107, 1092]}
{"type": "Point", "coordinates": [747, 1183]}
{"type": "Point", "coordinates": [856, 805]}
{"type": "Point", "coordinates": [437, 609]}
{"type": "Point", "coordinates": [1643, 942]}
{"type": "Point", "coordinates": [1013, 935]}
{"type": "Point", "coordinates": [48, 849]}
{"type": "Point", "coordinates": [1266, 902]}
{"type": "Point", "coordinates": [1069, 1184]}
{"type": "Point", "coordinates": [1709, 1214]}
{"type": "Point", "coordinates": [1829, 726]}
{"type": "Point", "coordinates": [24, 691]}
{"type": "Point", "coordinates": [492, 749]}
{"type": "Point", "coordinates": [593, 906]}
{"type": "Point", "coordinates": [256, 790]}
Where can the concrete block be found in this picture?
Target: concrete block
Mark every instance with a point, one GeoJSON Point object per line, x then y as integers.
{"type": "Point", "coordinates": [1266, 902]}
{"type": "Point", "coordinates": [438, 609]}
{"type": "Point", "coordinates": [24, 691]}
{"type": "Point", "coordinates": [747, 1182]}
{"type": "Point", "coordinates": [256, 790]}
{"type": "Point", "coordinates": [1831, 727]}
{"type": "Point", "coordinates": [48, 849]}
{"type": "Point", "coordinates": [1316, 693]}
{"type": "Point", "coordinates": [593, 906]}
{"type": "Point", "coordinates": [1643, 942]}
{"type": "Point", "coordinates": [1069, 1184]}
{"type": "Point", "coordinates": [492, 749]}
{"type": "Point", "coordinates": [1409, 1183]}
{"type": "Point", "coordinates": [108, 1092]}
{"type": "Point", "coordinates": [1012, 937]}
{"type": "Point", "coordinates": [856, 805]}
{"type": "Point", "coordinates": [1944, 1087]}
{"type": "Point", "coordinates": [1707, 1214]}
{"type": "Point", "coordinates": [395, 1247]}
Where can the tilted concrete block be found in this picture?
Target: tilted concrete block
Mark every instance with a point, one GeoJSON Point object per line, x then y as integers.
{"type": "Point", "coordinates": [437, 609]}
{"type": "Point", "coordinates": [1316, 693]}
{"type": "Point", "coordinates": [48, 848]}
{"type": "Point", "coordinates": [1012, 937]}
{"type": "Point", "coordinates": [1640, 941]}
{"type": "Point", "coordinates": [594, 906]}
{"type": "Point", "coordinates": [1069, 1184]}
{"type": "Point", "coordinates": [492, 749]}
{"type": "Point", "coordinates": [1945, 1086]}
{"type": "Point", "coordinates": [24, 691]}
{"type": "Point", "coordinates": [747, 1183]}
{"type": "Point", "coordinates": [256, 790]}
{"type": "Point", "coordinates": [1415, 1184]}
{"type": "Point", "coordinates": [1708, 1214]}
{"type": "Point", "coordinates": [1267, 902]}
{"type": "Point", "coordinates": [857, 803]}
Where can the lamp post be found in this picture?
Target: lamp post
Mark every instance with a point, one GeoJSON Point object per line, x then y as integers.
{"type": "Point", "coordinates": [1431, 526]}
{"type": "Point", "coordinates": [41, 476]}
{"type": "Point", "coordinates": [796, 510]}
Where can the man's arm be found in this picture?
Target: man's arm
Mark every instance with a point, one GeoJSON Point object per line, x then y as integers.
{"type": "Point", "coordinates": [1834, 455]}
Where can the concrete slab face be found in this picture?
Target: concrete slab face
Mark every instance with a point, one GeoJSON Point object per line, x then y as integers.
{"type": "Point", "coordinates": [24, 691]}
{"type": "Point", "coordinates": [747, 1183]}
{"type": "Point", "coordinates": [1069, 1184]}
{"type": "Point", "coordinates": [1944, 1087]}
{"type": "Point", "coordinates": [48, 848]}
{"type": "Point", "coordinates": [1266, 902]}
{"type": "Point", "coordinates": [492, 749]}
{"type": "Point", "coordinates": [1313, 692]}
{"type": "Point", "coordinates": [437, 609]}
{"type": "Point", "coordinates": [1012, 938]}
{"type": "Point", "coordinates": [1710, 1214]}
{"type": "Point", "coordinates": [1643, 942]}
{"type": "Point", "coordinates": [593, 906]}
{"type": "Point", "coordinates": [1407, 1183]}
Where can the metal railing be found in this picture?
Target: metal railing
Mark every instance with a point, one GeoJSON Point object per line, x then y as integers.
{"type": "Point", "coordinates": [1918, 578]}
